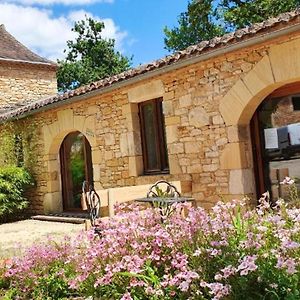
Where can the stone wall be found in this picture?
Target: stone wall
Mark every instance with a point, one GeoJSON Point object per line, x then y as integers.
{"type": "Point", "coordinates": [285, 113]}
{"type": "Point", "coordinates": [25, 82]}
{"type": "Point", "coordinates": [210, 158]}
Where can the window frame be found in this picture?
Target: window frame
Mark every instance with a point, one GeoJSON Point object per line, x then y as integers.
{"type": "Point", "coordinates": [162, 166]}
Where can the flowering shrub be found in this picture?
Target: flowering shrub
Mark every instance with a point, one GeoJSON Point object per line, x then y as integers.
{"type": "Point", "coordinates": [229, 253]}
{"type": "Point", "coordinates": [293, 196]}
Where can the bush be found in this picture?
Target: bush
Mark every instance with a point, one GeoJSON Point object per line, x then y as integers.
{"type": "Point", "coordinates": [13, 181]}
{"type": "Point", "coordinates": [229, 253]}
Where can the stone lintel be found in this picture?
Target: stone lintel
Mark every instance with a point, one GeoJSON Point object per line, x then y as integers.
{"type": "Point", "coordinates": [147, 91]}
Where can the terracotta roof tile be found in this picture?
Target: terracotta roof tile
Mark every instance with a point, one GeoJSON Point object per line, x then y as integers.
{"type": "Point", "coordinates": [283, 20]}
{"type": "Point", "coordinates": [11, 49]}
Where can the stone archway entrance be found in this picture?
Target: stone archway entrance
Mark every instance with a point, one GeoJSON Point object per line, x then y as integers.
{"type": "Point", "coordinates": [279, 67]}
{"type": "Point", "coordinates": [275, 130]}
{"type": "Point", "coordinates": [53, 137]}
{"type": "Point", "coordinates": [76, 167]}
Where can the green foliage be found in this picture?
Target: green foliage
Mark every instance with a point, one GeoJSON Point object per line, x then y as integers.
{"type": "Point", "coordinates": [90, 57]}
{"type": "Point", "coordinates": [194, 25]}
{"type": "Point", "coordinates": [77, 169]}
{"type": "Point", "coordinates": [239, 14]}
{"type": "Point", "coordinates": [206, 19]}
{"type": "Point", "coordinates": [18, 144]}
{"type": "Point", "coordinates": [53, 286]}
{"type": "Point", "coordinates": [13, 181]}
{"type": "Point", "coordinates": [18, 157]}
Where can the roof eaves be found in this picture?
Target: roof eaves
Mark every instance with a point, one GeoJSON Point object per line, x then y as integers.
{"type": "Point", "coordinates": [50, 64]}
{"type": "Point", "coordinates": [206, 49]}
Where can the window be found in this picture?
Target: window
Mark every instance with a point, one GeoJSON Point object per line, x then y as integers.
{"type": "Point", "coordinates": [296, 102]}
{"type": "Point", "coordinates": [155, 155]}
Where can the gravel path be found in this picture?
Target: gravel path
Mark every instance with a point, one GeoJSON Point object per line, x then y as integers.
{"type": "Point", "coordinates": [16, 236]}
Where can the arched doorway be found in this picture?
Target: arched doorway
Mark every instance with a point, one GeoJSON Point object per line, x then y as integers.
{"type": "Point", "coordinates": [275, 129]}
{"type": "Point", "coordinates": [76, 167]}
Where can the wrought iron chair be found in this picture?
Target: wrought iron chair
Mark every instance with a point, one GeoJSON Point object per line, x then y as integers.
{"type": "Point", "coordinates": [165, 195]}
{"type": "Point", "coordinates": [163, 189]}
{"type": "Point", "coordinates": [93, 204]}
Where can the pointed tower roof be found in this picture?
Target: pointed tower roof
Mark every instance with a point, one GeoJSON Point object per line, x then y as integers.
{"type": "Point", "coordinates": [13, 50]}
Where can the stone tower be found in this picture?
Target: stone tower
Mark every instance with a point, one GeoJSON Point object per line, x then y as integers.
{"type": "Point", "coordinates": [24, 75]}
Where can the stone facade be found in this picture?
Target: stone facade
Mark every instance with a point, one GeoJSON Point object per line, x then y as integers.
{"type": "Point", "coordinates": [207, 108]}
{"type": "Point", "coordinates": [285, 113]}
{"type": "Point", "coordinates": [27, 82]}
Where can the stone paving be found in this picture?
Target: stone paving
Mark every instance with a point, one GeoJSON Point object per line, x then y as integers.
{"type": "Point", "coordinates": [16, 236]}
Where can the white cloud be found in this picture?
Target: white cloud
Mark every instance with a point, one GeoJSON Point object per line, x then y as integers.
{"type": "Point", "coordinates": [111, 30]}
{"type": "Point", "coordinates": [45, 34]}
{"type": "Point", "coordinates": [64, 2]}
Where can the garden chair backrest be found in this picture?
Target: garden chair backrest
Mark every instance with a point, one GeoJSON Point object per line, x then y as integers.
{"type": "Point", "coordinates": [163, 189]}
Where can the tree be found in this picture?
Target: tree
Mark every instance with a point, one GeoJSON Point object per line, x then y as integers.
{"type": "Point", "coordinates": [194, 25]}
{"type": "Point", "coordinates": [242, 13]}
{"type": "Point", "coordinates": [205, 19]}
{"type": "Point", "coordinates": [90, 57]}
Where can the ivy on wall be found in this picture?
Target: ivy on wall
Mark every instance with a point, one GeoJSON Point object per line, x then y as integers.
{"type": "Point", "coordinates": [19, 144]}
{"type": "Point", "coordinates": [18, 159]}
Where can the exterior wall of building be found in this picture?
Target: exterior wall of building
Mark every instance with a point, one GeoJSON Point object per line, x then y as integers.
{"type": "Point", "coordinates": [210, 154]}
{"type": "Point", "coordinates": [25, 82]}
{"type": "Point", "coordinates": [285, 113]}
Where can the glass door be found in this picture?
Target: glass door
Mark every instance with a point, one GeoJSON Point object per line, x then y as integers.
{"type": "Point", "coordinates": [276, 144]}
{"type": "Point", "coordinates": [76, 167]}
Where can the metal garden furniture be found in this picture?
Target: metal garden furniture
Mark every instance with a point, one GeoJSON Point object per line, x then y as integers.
{"type": "Point", "coordinates": [93, 204]}
{"type": "Point", "coordinates": [164, 195]}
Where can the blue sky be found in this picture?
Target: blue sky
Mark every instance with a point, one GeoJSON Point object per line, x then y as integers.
{"type": "Point", "coordinates": [137, 25]}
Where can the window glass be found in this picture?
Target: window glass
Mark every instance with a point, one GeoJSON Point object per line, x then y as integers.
{"type": "Point", "coordinates": [150, 136]}
{"type": "Point", "coordinates": [279, 124]}
{"type": "Point", "coordinates": [153, 137]}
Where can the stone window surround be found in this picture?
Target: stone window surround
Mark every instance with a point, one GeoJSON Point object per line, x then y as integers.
{"type": "Point", "coordinates": [148, 91]}
{"type": "Point", "coordinates": [158, 140]}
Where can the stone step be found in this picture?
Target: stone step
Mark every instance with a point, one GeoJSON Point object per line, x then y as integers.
{"type": "Point", "coordinates": [57, 218]}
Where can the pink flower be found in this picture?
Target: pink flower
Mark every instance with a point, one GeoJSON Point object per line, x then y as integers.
{"type": "Point", "coordinates": [218, 290]}
{"type": "Point", "coordinates": [214, 252]}
{"type": "Point", "coordinates": [288, 264]}
{"type": "Point", "coordinates": [288, 181]}
{"type": "Point", "coordinates": [126, 296]}
{"type": "Point", "coordinates": [228, 271]}
{"type": "Point", "coordinates": [247, 265]}
{"type": "Point", "coordinates": [184, 286]}
{"type": "Point", "coordinates": [290, 244]}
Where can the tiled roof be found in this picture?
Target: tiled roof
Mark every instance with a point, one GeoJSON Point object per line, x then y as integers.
{"type": "Point", "coordinates": [13, 50]}
{"type": "Point", "coordinates": [284, 20]}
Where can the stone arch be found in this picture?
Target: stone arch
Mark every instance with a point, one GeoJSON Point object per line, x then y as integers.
{"type": "Point", "coordinates": [279, 67]}
{"type": "Point", "coordinates": [53, 136]}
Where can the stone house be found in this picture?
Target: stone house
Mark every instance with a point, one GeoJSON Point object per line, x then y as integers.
{"type": "Point", "coordinates": [197, 117]}
{"type": "Point", "coordinates": [24, 76]}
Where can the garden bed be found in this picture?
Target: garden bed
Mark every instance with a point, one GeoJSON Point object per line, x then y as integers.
{"type": "Point", "coordinates": [229, 253]}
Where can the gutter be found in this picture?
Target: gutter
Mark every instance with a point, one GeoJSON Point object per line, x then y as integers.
{"type": "Point", "coordinates": [160, 71]}
{"type": "Point", "coordinates": [28, 62]}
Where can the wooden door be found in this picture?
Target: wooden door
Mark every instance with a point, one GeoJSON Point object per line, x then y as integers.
{"type": "Point", "coordinates": [76, 167]}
